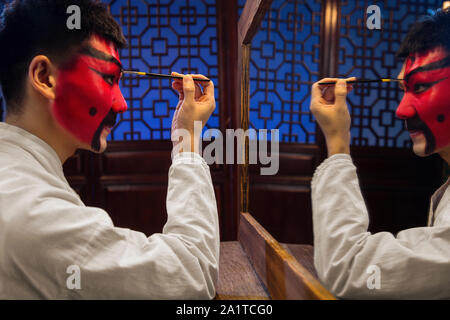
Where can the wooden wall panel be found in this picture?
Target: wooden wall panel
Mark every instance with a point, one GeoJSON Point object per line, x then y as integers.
{"type": "Point", "coordinates": [285, 211]}
{"type": "Point", "coordinates": [282, 203]}
{"type": "Point", "coordinates": [397, 186]}
{"type": "Point", "coordinates": [137, 207]}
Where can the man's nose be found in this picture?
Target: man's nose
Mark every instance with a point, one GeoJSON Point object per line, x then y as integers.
{"type": "Point", "coordinates": [406, 108]}
{"type": "Point", "coordinates": [119, 104]}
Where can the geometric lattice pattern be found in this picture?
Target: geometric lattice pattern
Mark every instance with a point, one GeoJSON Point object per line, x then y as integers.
{"type": "Point", "coordinates": [366, 53]}
{"type": "Point", "coordinates": [163, 36]}
{"type": "Point", "coordinates": [284, 65]}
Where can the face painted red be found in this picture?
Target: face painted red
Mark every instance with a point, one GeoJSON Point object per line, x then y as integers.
{"type": "Point", "coordinates": [425, 105]}
{"type": "Point", "coordinates": [88, 97]}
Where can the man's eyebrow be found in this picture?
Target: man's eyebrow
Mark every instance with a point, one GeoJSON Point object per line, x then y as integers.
{"type": "Point", "coordinates": [90, 51]}
{"type": "Point", "coordinates": [431, 66]}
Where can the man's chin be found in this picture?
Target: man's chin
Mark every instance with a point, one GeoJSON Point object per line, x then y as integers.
{"type": "Point", "coordinates": [102, 140]}
{"type": "Point", "coordinates": [420, 152]}
{"type": "Point", "coordinates": [103, 144]}
{"type": "Point", "coordinates": [420, 144]}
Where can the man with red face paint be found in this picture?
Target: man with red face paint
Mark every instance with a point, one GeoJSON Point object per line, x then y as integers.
{"type": "Point", "coordinates": [89, 112]}
{"type": "Point", "coordinates": [415, 264]}
{"type": "Point", "coordinates": [62, 92]}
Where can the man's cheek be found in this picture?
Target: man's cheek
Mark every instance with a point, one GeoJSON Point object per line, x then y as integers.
{"type": "Point", "coordinates": [435, 112]}
{"type": "Point", "coordinates": [81, 106]}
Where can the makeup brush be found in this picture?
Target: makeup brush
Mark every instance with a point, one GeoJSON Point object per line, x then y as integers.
{"type": "Point", "coordinates": [157, 75]}
{"type": "Point", "coordinates": [364, 81]}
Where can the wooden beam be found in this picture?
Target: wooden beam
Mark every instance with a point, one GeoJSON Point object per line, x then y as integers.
{"type": "Point", "coordinates": [249, 22]}
{"type": "Point", "coordinates": [329, 38]}
{"type": "Point", "coordinates": [250, 19]}
{"type": "Point", "coordinates": [281, 273]}
{"type": "Point", "coordinates": [227, 33]}
{"type": "Point", "coordinates": [245, 115]}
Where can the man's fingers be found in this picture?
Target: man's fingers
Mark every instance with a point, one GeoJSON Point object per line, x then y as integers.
{"type": "Point", "coordinates": [318, 89]}
{"type": "Point", "coordinates": [340, 92]}
{"type": "Point", "coordinates": [177, 86]}
{"type": "Point", "coordinates": [192, 89]}
{"type": "Point", "coordinates": [208, 90]}
{"type": "Point", "coordinates": [350, 86]}
{"type": "Point", "coordinates": [188, 88]}
{"type": "Point", "coordinates": [208, 87]}
{"type": "Point", "coordinates": [177, 82]}
{"type": "Point", "coordinates": [199, 76]}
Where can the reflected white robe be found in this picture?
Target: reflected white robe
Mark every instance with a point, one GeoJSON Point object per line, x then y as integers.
{"type": "Point", "coordinates": [414, 264]}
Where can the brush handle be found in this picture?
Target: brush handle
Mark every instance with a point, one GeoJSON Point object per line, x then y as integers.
{"type": "Point", "coordinates": [158, 75]}
{"type": "Point", "coordinates": [363, 81]}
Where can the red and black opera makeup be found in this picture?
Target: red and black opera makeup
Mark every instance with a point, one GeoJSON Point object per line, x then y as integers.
{"type": "Point", "coordinates": [88, 97]}
{"type": "Point", "coordinates": [425, 105]}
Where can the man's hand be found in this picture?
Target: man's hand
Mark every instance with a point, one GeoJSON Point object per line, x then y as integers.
{"type": "Point", "coordinates": [194, 104]}
{"type": "Point", "coordinates": [328, 105]}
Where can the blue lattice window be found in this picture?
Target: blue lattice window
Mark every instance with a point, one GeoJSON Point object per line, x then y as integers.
{"type": "Point", "coordinates": [284, 64]}
{"type": "Point", "coordinates": [163, 36]}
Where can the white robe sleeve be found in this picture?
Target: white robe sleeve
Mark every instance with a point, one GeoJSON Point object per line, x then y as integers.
{"type": "Point", "coordinates": [413, 265]}
{"type": "Point", "coordinates": [118, 263]}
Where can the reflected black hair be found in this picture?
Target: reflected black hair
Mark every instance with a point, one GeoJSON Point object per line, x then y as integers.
{"type": "Point", "coordinates": [427, 33]}
{"type": "Point", "coordinates": [32, 27]}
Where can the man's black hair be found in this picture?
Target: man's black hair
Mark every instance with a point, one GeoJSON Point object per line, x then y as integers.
{"type": "Point", "coordinates": [429, 32]}
{"type": "Point", "coordinates": [33, 27]}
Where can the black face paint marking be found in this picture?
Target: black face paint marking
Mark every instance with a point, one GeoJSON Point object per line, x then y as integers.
{"type": "Point", "coordinates": [426, 85]}
{"type": "Point", "coordinates": [89, 51]}
{"type": "Point", "coordinates": [416, 124]}
{"type": "Point", "coordinates": [440, 118]}
{"type": "Point", "coordinates": [428, 67]}
{"type": "Point", "coordinates": [109, 78]}
{"type": "Point", "coordinates": [93, 111]}
{"type": "Point", "coordinates": [108, 121]}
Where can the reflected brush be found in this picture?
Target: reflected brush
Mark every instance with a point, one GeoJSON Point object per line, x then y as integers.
{"type": "Point", "coordinates": [364, 81]}
{"type": "Point", "coordinates": [157, 75]}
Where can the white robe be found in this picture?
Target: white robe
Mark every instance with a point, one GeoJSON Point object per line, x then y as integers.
{"type": "Point", "coordinates": [47, 234]}
{"type": "Point", "coordinates": [414, 264]}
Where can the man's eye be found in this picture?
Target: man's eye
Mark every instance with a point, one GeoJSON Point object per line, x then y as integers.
{"type": "Point", "coordinates": [109, 79]}
{"type": "Point", "coordinates": [422, 87]}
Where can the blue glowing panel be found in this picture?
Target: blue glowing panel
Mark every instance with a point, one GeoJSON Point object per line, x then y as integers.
{"type": "Point", "coordinates": [284, 64]}
{"type": "Point", "coordinates": [163, 36]}
{"type": "Point", "coordinates": [366, 53]}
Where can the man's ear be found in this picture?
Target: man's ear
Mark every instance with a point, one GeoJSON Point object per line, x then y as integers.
{"type": "Point", "coordinates": [42, 76]}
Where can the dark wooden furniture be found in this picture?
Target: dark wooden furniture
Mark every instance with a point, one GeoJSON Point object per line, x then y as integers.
{"type": "Point", "coordinates": [258, 267]}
